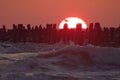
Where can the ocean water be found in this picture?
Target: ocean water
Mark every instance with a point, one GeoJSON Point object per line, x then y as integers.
{"type": "Point", "coordinates": [59, 61]}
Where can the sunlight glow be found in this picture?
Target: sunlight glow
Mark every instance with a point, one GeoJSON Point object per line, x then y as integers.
{"type": "Point", "coordinates": [72, 22]}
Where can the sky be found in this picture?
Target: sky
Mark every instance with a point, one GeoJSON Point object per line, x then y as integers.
{"type": "Point", "coordinates": [37, 12]}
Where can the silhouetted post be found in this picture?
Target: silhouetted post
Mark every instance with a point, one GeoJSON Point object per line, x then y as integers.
{"type": "Point", "coordinates": [112, 34]}
{"type": "Point", "coordinates": [21, 33]}
{"type": "Point", "coordinates": [3, 33]}
{"type": "Point", "coordinates": [106, 37]}
{"type": "Point", "coordinates": [65, 34]}
{"type": "Point", "coordinates": [91, 34]}
{"type": "Point", "coordinates": [40, 32]}
{"type": "Point", "coordinates": [44, 33]}
{"type": "Point", "coordinates": [24, 34]}
{"type": "Point", "coordinates": [118, 36]}
{"type": "Point", "coordinates": [29, 33]}
{"type": "Point", "coordinates": [15, 34]}
{"type": "Point", "coordinates": [9, 35]}
{"type": "Point", "coordinates": [60, 35]}
{"type": "Point", "coordinates": [98, 34]}
{"type": "Point", "coordinates": [72, 35]}
{"type": "Point", "coordinates": [79, 34]}
{"type": "Point", "coordinates": [53, 34]}
{"type": "Point", "coordinates": [4, 28]}
{"type": "Point", "coordinates": [48, 33]}
{"type": "Point", "coordinates": [36, 34]}
{"type": "Point", "coordinates": [32, 34]}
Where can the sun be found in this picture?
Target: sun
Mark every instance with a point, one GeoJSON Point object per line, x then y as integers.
{"type": "Point", "coordinates": [72, 22]}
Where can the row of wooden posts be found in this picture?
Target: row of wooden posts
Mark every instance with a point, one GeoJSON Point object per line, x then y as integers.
{"type": "Point", "coordinates": [95, 34]}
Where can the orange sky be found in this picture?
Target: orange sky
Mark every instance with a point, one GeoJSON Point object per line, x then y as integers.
{"type": "Point", "coordinates": [106, 12]}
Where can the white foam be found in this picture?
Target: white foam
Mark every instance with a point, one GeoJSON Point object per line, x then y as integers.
{"type": "Point", "coordinates": [52, 59]}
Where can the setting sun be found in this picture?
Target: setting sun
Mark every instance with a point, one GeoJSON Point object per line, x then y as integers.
{"type": "Point", "coordinates": [72, 22]}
